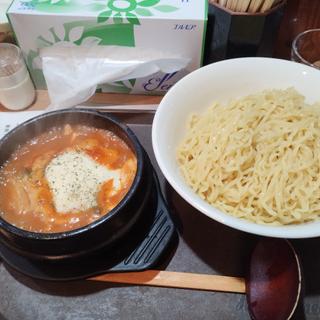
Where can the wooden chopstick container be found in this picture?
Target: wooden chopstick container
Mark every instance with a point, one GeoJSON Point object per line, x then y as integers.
{"type": "Point", "coordinates": [241, 34]}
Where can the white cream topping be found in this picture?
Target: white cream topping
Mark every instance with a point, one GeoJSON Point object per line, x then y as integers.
{"type": "Point", "coordinates": [75, 179]}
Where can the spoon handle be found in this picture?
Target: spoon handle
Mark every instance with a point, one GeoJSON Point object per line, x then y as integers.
{"type": "Point", "coordinates": [181, 280]}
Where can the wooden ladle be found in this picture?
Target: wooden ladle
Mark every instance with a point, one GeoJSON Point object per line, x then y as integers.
{"type": "Point", "coordinates": [272, 287]}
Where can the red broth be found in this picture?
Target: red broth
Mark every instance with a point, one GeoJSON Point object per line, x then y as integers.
{"type": "Point", "coordinates": [26, 198]}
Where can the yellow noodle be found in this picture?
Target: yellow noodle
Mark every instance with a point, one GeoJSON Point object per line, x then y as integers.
{"type": "Point", "coordinates": [257, 158]}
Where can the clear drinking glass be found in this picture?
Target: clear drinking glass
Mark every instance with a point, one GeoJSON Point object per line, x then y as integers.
{"type": "Point", "coordinates": [16, 88]}
{"type": "Point", "coordinates": [306, 48]}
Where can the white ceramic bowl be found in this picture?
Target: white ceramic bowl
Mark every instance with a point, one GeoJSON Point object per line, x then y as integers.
{"type": "Point", "coordinates": [221, 82]}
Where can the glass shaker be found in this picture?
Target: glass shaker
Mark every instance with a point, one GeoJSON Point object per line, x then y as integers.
{"type": "Point", "coordinates": [16, 88]}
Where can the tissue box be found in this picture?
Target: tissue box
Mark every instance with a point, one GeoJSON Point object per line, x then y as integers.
{"type": "Point", "coordinates": [178, 26]}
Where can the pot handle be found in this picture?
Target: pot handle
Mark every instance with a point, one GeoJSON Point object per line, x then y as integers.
{"type": "Point", "coordinates": [161, 233]}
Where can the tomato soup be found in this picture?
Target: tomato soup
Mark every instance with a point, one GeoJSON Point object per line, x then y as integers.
{"type": "Point", "coordinates": [65, 179]}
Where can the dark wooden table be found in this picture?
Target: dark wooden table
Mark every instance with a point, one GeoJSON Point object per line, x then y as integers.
{"type": "Point", "coordinates": [299, 15]}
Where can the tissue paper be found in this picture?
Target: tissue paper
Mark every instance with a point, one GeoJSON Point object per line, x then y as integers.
{"type": "Point", "coordinates": [72, 74]}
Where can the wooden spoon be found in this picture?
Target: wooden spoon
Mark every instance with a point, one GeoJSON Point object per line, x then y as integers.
{"type": "Point", "coordinates": [272, 287]}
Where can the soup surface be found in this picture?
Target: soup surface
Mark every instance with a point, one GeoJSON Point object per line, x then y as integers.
{"type": "Point", "coordinates": [65, 179]}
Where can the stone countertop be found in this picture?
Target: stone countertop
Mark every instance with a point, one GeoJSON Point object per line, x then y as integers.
{"type": "Point", "coordinates": [204, 246]}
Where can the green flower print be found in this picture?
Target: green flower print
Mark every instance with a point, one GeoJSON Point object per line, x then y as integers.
{"type": "Point", "coordinates": [119, 10]}
{"type": "Point", "coordinates": [129, 10]}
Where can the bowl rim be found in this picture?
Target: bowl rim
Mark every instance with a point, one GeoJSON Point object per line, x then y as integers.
{"type": "Point", "coordinates": [122, 204]}
{"type": "Point", "coordinates": [304, 230]}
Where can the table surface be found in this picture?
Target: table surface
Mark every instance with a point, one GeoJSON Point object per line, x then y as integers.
{"type": "Point", "coordinates": [204, 246]}
{"type": "Point", "coordinates": [25, 298]}
{"type": "Point", "coordinates": [42, 100]}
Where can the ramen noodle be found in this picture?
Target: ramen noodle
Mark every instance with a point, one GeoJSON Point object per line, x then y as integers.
{"type": "Point", "coordinates": [256, 158]}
